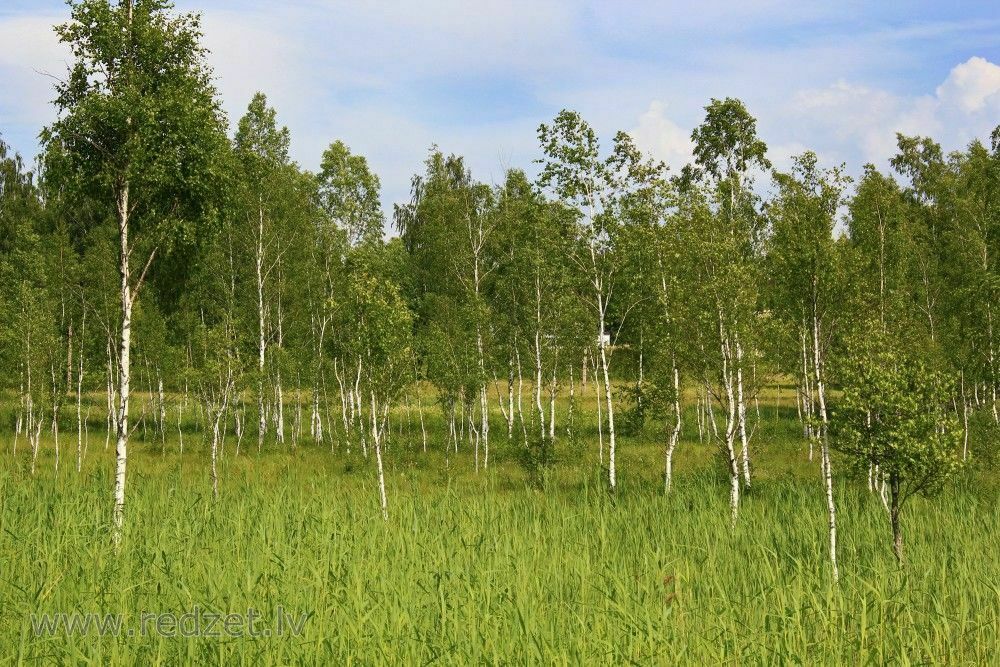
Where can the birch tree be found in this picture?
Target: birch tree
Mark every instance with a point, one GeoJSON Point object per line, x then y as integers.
{"type": "Point", "coordinates": [139, 126]}
{"type": "Point", "coordinates": [575, 171]}
{"type": "Point", "coordinates": [348, 194]}
{"type": "Point", "coordinates": [895, 414]}
{"type": "Point", "coordinates": [375, 331]}
{"type": "Point", "coordinates": [805, 273]}
{"type": "Point", "coordinates": [447, 229]}
{"type": "Point", "coordinates": [726, 151]}
{"type": "Point", "coordinates": [538, 299]}
{"type": "Point", "coordinates": [262, 149]}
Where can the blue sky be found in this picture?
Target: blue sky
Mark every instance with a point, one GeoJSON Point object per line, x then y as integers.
{"type": "Point", "coordinates": [476, 78]}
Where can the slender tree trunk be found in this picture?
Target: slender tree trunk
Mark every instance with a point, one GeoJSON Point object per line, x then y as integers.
{"type": "Point", "coordinates": [297, 425]}
{"type": "Point", "coordinates": [343, 406]}
{"type": "Point", "coordinates": [55, 414]}
{"type": "Point", "coordinates": [19, 419]}
{"type": "Point", "coordinates": [894, 509]}
{"type": "Point", "coordinates": [180, 429]}
{"type": "Point", "coordinates": [484, 428]}
{"type": "Point", "coordinates": [423, 429]}
{"type": "Point", "coordinates": [710, 414]}
{"type": "Point", "coordinates": [826, 466]}
{"type": "Point", "coordinates": [161, 399]}
{"type": "Point", "coordinates": [261, 333]}
{"type": "Point", "coordinates": [239, 424]}
{"type": "Point", "coordinates": [674, 435]}
{"type": "Point", "coordinates": [538, 383]}
{"type": "Point", "coordinates": [699, 416]}
{"type": "Point", "coordinates": [520, 395]}
{"type": "Point", "coordinates": [279, 418]}
{"type": "Point", "coordinates": [992, 360]}
{"type": "Point", "coordinates": [79, 399]}
{"type": "Point", "coordinates": [124, 366]}
{"type": "Point", "coordinates": [965, 421]}
{"type": "Point", "coordinates": [600, 418]}
{"type": "Point", "coordinates": [552, 404]}
{"type": "Point", "coordinates": [741, 414]}
{"type": "Point", "coordinates": [572, 402]}
{"type": "Point", "coordinates": [510, 399]}
{"type": "Point", "coordinates": [612, 475]}
{"type": "Point", "coordinates": [731, 422]}
{"type": "Point", "coordinates": [377, 442]}
{"type": "Point", "coordinates": [806, 394]}
{"type": "Point", "coordinates": [86, 432]}
{"type": "Point", "coordinates": [215, 456]}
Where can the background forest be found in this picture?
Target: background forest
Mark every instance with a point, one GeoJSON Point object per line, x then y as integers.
{"type": "Point", "coordinates": [451, 431]}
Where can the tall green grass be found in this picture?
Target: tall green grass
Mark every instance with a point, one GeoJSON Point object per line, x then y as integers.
{"type": "Point", "coordinates": [486, 567]}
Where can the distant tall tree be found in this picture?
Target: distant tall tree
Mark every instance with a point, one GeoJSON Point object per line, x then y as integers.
{"type": "Point", "coordinates": [806, 276]}
{"type": "Point", "coordinates": [375, 331]}
{"type": "Point", "coordinates": [447, 229]}
{"type": "Point", "coordinates": [574, 170]}
{"type": "Point", "coordinates": [726, 149]}
{"type": "Point", "coordinates": [28, 338]}
{"type": "Point", "coordinates": [348, 194]}
{"type": "Point", "coordinates": [138, 130]}
{"type": "Point", "coordinates": [972, 272]}
{"type": "Point", "coordinates": [650, 255]}
{"type": "Point", "coordinates": [879, 241]}
{"type": "Point", "coordinates": [536, 296]}
{"type": "Point", "coordinates": [262, 149]}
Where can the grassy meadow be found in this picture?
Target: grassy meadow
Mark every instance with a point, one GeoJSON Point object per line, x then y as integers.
{"type": "Point", "coordinates": [491, 567]}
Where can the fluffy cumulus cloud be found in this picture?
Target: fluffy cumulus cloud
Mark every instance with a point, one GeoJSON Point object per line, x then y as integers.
{"type": "Point", "coordinates": [972, 87]}
{"type": "Point", "coordinates": [848, 118]}
{"type": "Point", "coordinates": [662, 137]}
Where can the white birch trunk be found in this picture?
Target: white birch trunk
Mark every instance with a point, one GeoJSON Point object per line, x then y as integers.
{"type": "Point", "coordinates": [825, 446]}
{"type": "Point", "coordinates": [731, 421]}
{"type": "Point", "coordinates": [552, 405]}
{"type": "Point", "coordinates": [510, 399]}
{"type": "Point", "coordinates": [572, 402]}
{"type": "Point", "coordinates": [520, 396]}
{"type": "Point", "coordinates": [377, 442]}
{"type": "Point", "coordinates": [79, 403]}
{"type": "Point", "coordinates": [741, 413]}
{"type": "Point", "coordinates": [675, 435]}
{"type": "Point", "coordinates": [600, 419]}
{"type": "Point", "coordinates": [163, 409]}
{"type": "Point", "coordinates": [261, 334]}
{"type": "Point", "coordinates": [612, 475]}
{"type": "Point", "coordinates": [55, 415]}
{"type": "Point", "coordinates": [538, 383]}
{"type": "Point", "coordinates": [124, 367]}
{"type": "Point", "coordinates": [965, 422]}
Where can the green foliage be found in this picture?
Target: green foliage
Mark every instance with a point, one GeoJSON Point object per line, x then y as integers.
{"type": "Point", "coordinates": [376, 329]}
{"type": "Point", "coordinates": [726, 143]}
{"type": "Point", "coordinates": [635, 401]}
{"type": "Point", "coordinates": [895, 414]}
{"type": "Point", "coordinates": [349, 193]}
{"type": "Point", "coordinates": [137, 109]}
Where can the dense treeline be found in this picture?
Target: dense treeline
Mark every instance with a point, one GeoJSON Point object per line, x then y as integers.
{"type": "Point", "coordinates": [155, 252]}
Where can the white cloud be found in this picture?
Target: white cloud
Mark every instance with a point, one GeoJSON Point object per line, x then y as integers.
{"type": "Point", "coordinates": [843, 116]}
{"type": "Point", "coordinates": [30, 55]}
{"type": "Point", "coordinates": [973, 86]}
{"type": "Point", "coordinates": [662, 137]}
